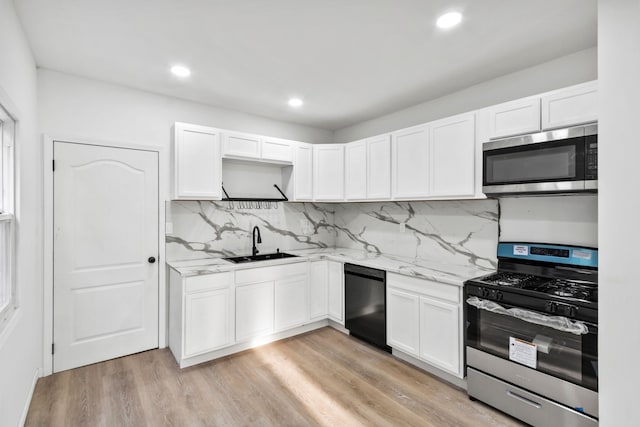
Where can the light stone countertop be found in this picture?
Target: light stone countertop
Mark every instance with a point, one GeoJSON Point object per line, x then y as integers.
{"type": "Point", "coordinates": [418, 268]}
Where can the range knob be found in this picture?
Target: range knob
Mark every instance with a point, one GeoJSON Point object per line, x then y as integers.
{"type": "Point", "coordinates": [552, 307]}
{"type": "Point", "coordinates": [499, 296]}
{"type": "Point", "coordinates": [570, 311]}
{"type": "Point", "coordinates": [485, 292]}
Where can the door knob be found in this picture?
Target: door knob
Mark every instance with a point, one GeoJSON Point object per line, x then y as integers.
{"type": "Point", "coordinates": [151, 259]}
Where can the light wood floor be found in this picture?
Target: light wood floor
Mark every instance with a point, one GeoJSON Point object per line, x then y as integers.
{"type": "Point", "coordinates": [322, 378]}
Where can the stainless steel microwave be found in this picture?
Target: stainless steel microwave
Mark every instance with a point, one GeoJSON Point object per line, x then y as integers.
{"type": "Point", "coordinates": [558, 161]}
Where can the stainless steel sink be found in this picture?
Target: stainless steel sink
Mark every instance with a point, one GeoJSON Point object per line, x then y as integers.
{"type": "Point", "coordinates": [261, 257]}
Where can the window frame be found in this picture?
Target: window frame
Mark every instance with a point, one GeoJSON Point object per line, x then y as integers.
{"type": "Point", "coordinates": [7, 214]}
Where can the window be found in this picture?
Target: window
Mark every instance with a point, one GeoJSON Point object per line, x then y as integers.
{"type": "Point", "coordinates": [7, 221]}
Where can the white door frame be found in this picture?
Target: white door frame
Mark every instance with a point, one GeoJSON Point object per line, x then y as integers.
{"type": "Point", "coordinates": [163, 195]}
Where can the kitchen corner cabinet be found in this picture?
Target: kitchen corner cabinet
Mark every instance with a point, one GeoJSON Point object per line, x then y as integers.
{"type": "Point", "coordinates": [201, 317]}
{"type": "Point", "coordinates": [303, 172]}
{"type": "Point", "coordinates": [196, 163]}
{"type": "Point", "coordinates": [326, 291]}
{"type": "Point", "coordinates": [336, 292]}
{"type": "Point", "coordinates": [452, 157]}
{"type": "Point", "coordinates": [379, 167]}
{"type": "Point", "coordinates": [318, 290]}
{"type": "Point", "coordinates": [424, 320]}
{"type": "Point", "coordinates": [570, 106]}
{"type": "Point", "coordinates": [328, 172]}
{"type": "Point", "coordinates": [410, 163]}
{"type": "Point", "coordinates": [514, 118]}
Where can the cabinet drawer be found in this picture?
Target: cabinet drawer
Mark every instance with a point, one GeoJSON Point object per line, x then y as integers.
{"type": "Point", "coordinates": [207, 282]}
{"type": "Point", "coordinates": [430, 288]}
{"type": "Point", "coordinates": [254, 275]}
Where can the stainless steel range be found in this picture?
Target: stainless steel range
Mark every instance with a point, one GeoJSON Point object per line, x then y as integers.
{"type": "Point", "coordinates": [532, 334]}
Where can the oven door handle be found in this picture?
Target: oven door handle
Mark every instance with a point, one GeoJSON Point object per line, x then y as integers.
{"type": "Point", "coordinates": [559, 323]}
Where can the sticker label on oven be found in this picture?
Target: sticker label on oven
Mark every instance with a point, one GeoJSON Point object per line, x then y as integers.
{"type": "Point", "coordinates": [523, 352]}
{"type": "Point", "coordinates": [581, 254]}
{"type": "Point", "coordinates": [520, 250]}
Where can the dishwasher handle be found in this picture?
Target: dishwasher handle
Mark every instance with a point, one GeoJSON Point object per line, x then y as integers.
{"type": "Point", "coordinates": [366, 272]}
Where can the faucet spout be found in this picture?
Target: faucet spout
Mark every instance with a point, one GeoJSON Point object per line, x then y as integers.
{"type": "Point", "coordinates": [254, 249]}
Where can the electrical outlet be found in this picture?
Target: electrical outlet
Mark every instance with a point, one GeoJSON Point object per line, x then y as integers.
{"type": "Point", "coordinates": [403, 227]}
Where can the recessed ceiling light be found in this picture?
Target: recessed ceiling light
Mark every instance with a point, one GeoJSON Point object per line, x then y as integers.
{"type": "Point", "coordinates": [180, 71]}
{"type": "Point", "coordinates": [449, 20]}
{"type": "Point", "coordinates": [296, 102]}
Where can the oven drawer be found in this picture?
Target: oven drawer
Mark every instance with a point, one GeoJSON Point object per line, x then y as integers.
{"type": "Point", "coordinates": [528, 407]}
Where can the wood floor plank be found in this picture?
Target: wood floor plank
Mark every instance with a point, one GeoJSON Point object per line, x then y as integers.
{"type": "Point", "coordinates": [321, 378]}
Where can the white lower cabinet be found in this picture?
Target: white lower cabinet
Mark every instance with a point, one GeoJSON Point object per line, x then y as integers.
{"type": "Point", "coordinates": [403, 317]}
{"type": "Point", "coordinates": [201, 317]}
{"type": "Point", "coordinates": [291, 302]}
{"type": "Point", "coordinates": [424, 320]}
{"type": "Point", "coordinates": [254, 310]}
{"type": "Point", "coordinates": [336, 292]}
{"type": "Point", "coordinates": [440, 333]}
{"type": "Point", "coordinates": [318, 290]}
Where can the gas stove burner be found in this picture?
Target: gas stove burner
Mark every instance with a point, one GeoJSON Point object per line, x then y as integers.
{"type": "Point", "coordinates": [569, 289]}
{"type": "Point", "coordinates": [508, 279]}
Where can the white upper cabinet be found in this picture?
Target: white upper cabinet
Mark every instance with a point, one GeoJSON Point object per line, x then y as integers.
{"type": "Point", "coordinates": [328, 172]}
{"type": "Point", "coordinates": [514, 118]}
{"type": "Point", "coordinates": [243, 145]}
{"type": "Point", "coordinates": [452, 156]}
{"type": "Point", "coordinates": [303, 172]}
{"type": "Point", "coordinates": [570, 106]}
{"type": "Point", "coordinates": [279, 150]}
{"type": "Point", "coordinates": [246, 146]}
{"type": "Point", "coordinates": [197, 167]}
{"type": "Point", "coordinates": [355, 179]}
{"type": "Point", "coordinates": [410, 163]}
{"type": "Point", "coordinates": [379, 167]}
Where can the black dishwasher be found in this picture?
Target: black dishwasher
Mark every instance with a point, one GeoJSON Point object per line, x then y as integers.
{"type": "Point", "coordinates": [365, 304]}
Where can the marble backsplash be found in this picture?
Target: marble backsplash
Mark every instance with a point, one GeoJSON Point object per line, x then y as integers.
{"type": "Point", "coordinates": [457, 232]}
{"type": "Point", "coordinates": [213, 229]}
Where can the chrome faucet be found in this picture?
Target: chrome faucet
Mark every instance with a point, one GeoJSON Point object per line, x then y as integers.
{"type": "Point", "coordinates": [254, 250]}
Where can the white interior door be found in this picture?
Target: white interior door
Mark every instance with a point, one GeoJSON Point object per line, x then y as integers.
{"type": "Point", "coordinates": [105, 232]}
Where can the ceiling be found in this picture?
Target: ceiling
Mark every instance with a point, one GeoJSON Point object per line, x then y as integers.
{"type": "Point", "coordinates": [349, 60]}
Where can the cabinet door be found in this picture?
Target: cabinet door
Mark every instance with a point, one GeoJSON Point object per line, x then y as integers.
{"type": "Point", "coordinates": [410, 163]}
{"type": "Point", "coordinates": [440, 334]}
{"type": "Point", "coordinates": [571, 106]}
{"type": "Point", "coordinates": [254, 310]}
{"type": "Point", "coordinates": [355, 184]}
{"type": "Point", "coordinates": [379, 167]}
{"type": "Point", "coordinates": [208, 321]}
{"type": "Point", "coordinates": [403, 321]}
{"type": "Point", "coordinates": [452, 160]}
{"type": "Point", "coordinates": [328, 172]}
{"type": "Point", "coordinates": [241, 145]}
{"type": "Point", "coordinates": [277, 149]}
{"type": "Point", "coordinates": [318, 290]}
{"type": "Point", "coordinates": [336, 292]}
{"type": "Point", "coordinates": [303, 172]}
{"type": "Point", "coordinates": [514, 118]}
{"type": "Point", "coordinates": [197, 166]}
{"type": "Point", "coordinates": [291, 302]}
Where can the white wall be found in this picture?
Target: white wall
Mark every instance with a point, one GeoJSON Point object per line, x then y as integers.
{"type": "Point", "coordinates": [565, 71]}
{"type": "Point", "coordinates": [569, 220]}
{"type": "Point", "coordinates": [21, 340]}
{"type": "Point", "coordinates": [619, 207]}
{"type": "Point", "coordinates": [85, 107]}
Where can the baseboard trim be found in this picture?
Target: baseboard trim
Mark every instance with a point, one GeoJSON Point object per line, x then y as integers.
{"type": "Point", "coordinates": [257, 342]}
{"type": "Point", "coordinates": [27, 404]}
{"type": "Point", "coordinates": [450, 378]}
